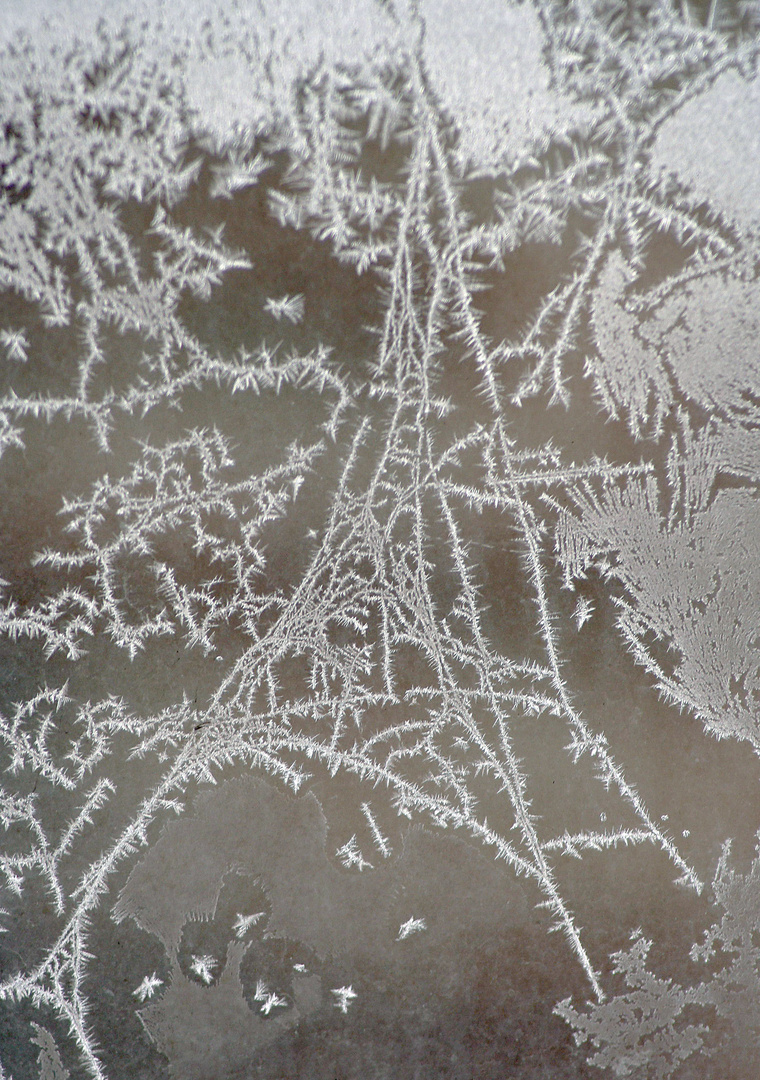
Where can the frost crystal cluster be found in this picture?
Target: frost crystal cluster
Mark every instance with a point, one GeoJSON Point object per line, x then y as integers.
{"type": "Point", "coordinates": [379, 451]}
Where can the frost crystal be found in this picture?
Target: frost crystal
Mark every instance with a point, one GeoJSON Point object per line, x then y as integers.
{"type": "Point", "coordinates": [203, 967]}
{"type": "Point", "coordinates": [148, 987]}
{"type": "Point", "coordinates": [344, 995]}
{"type": "Point", "coordinates": [712, 145]}
{"type": "Point", "coordinates": [411, 926]}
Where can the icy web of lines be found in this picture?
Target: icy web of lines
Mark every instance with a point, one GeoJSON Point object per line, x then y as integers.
{"type": "Point", "coordinates": [103, 142]}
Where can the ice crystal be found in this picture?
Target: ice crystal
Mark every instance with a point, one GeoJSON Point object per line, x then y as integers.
{"type": "Point", "coordinates": [687, 558]}
{"type": "Point", "coordinates": [344, 995]}
{"type": "Point", "coordinates": [243, 923]}
{"type": "Point", "coordinates": [696, 341]}
{"type": "Point", "coordinates": [203, 967]}
{"type": "Point", "coordinates": [411, 926]}
{"type": "Point", "coordinates": [649, 1029]}
{"type": "Point", "coordinates": [148, 987]}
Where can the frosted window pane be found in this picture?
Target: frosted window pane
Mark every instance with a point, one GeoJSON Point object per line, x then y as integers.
{"type": "Point", "coordinates": [379, 463]}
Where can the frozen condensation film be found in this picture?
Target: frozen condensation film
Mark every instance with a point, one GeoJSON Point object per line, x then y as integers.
{"type": "Point", "coordinates": [380, 576]}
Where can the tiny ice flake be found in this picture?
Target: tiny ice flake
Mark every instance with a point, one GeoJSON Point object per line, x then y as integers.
{"type": "Point", "coordinates": [148, 987]}
{"type": "Point", "coordinates": [272, 1001]}
{"type": "Point", "coordinates": [285, 307]}
{"type": "Point", "coordinates": [584, 609]}
{"type": "Point", "coordinates": [344, 995]}
{"type": "Point", "coordinates": [350, 855]}
{"type": "Point", "coordinates": [243, 923]}
{"type": "Point", "coordinates": [16, 345]}
{"type": "Point", "coordinates": [411, 926]}
{"type": "Point", "coordinates": [203, 967]}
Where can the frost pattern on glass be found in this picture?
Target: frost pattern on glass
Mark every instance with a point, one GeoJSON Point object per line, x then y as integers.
{"type": "Point", "coordinates": [646, 1031]}
{"type": "Point", "coordinates": [315, 319]}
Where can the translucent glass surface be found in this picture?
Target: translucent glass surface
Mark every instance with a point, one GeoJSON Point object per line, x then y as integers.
{"type": "Point", "coordinates": [379, 463]}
